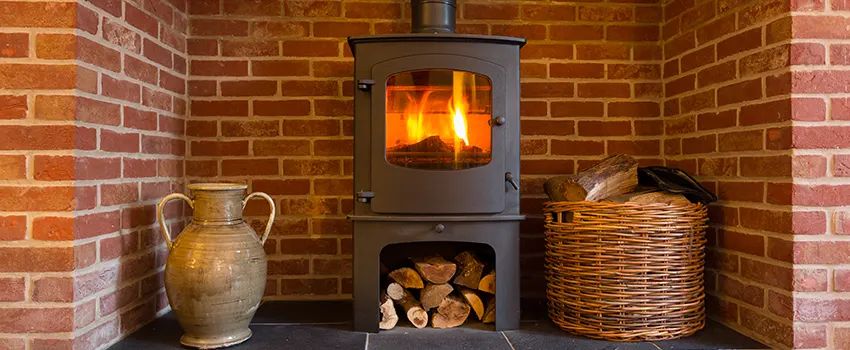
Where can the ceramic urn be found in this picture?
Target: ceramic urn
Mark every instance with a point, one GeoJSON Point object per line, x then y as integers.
{"type": "Point", "coordinates": [215, 274]}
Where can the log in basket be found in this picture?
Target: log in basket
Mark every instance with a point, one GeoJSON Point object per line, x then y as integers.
{"type": "Point", "coordinates": [626, 272]}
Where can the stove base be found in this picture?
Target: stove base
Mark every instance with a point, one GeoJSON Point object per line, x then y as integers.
{"type": "Point", "coordinates": [371, 236]}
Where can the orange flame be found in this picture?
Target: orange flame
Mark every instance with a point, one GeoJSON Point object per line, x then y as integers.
{"type": "Point", "coordinates": [415, 114]}
{"type": "Point", "coordinates": [454, 110]}
{"type": "Point", "coordinates": [459, 121]}
{"type": "Point", "coordinates": [450, 127]}
{"type": "Point", "coordinates": [460, 108]}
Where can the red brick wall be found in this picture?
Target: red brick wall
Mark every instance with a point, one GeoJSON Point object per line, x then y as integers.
{"type": "Point", "coordinates": [728, 120]}
{"type": "Point", "coordinates": [755, 99]}
{"type": "Point", "coordinates": [747, 95]}
{"type": "Point", "coordinates": [819, 193]}
{"type": "Point", "coordinates": [92, 101]}
{"type": "Point", "coordinates": [25, 136]}
{"type": "Point", "coordinates": [271, 106]}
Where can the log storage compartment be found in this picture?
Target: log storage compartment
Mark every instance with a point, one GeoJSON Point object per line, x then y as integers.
{"type": "Point", "coordinates": [437, 284]}
{"type": "Point", "coordinates": [436, 159]}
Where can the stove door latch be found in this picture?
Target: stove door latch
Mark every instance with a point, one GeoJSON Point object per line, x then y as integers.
{"type": "Point", "coordinates": [509, 178]}
{"type": "Point", "coordinates": [365, 84]}
{"type": "Point", "coordinates": [364, 196]}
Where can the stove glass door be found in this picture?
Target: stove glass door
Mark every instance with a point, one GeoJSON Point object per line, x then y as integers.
{"type": "Point", "coordinates": [438, 119]}
{"type": "Point", "coordinates": [436, 148]}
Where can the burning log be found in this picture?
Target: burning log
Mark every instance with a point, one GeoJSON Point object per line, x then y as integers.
{"type": "Point", "coordinates": [429, 144]}
{"type": "Point", "coordinates": [434, 144]}
{"type": "Point", "coordinates": [472, 149]}
{"type": "Point", "coordinates": [389, 318]}
{"type": "Point", "coordinates": [488, 283]}
{"type": "Point", "coordinates": [612, 176]}
{"type": "Point", "coordinates": [474, 301]}
{"type": "Point", "coordinates": [452, 312]}
{"type": "Point", "coordinates": [407, 278]}
{"type": "Point", "coordinates": [470, 271]}
{"type": "Point", "coordinates": [490, 311]}
{"type": "Point", "coordinates": [433, 294]}
{"type": "Point", "coordinates": [435, 269]}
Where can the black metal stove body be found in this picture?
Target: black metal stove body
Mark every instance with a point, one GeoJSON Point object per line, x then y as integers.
{"type": "Point", "coordinates": [467, 193]}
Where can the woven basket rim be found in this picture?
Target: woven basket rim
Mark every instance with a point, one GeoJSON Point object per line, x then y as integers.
{"type": "Point", "coordinates": [630, 206]}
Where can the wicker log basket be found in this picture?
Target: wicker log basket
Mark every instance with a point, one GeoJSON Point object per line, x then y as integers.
{"type": "Point", "coordinates": [626, 272]}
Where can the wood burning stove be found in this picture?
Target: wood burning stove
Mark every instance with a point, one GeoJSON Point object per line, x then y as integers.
{"type": "Point", "coordinates": [436, 150]}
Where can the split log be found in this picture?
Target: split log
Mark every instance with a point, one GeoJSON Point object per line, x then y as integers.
{"type": "Point", "coordinates": [470, 269]}
{"type": "Point", "coordinates": [389, 317]}
{"type": "Point", "coordinates": [395, 291]}
{"type": "Point", "coordinates": [474, 301]}
{"type": "Point", "coordinates": [414, 311]}
{"type": "Point", "coordinates": [564, 189]}
{"type": "Point", "coordinates": [435, 269]}
{"type": "Point", "coordinates": [659, 197]}
{"type": "Point", "coordinates": [490, 311]}
{"type": "Point", "coordinates": [651, 196]}
{"type": "Point", "coordinates": [407, 278]}
{"type": "Point", "coordinates": [452, 312]}
{"type": "Point", "coordinates": [433, 295]}
{"type": "Point", "coordinates": [623, 198]}
{"type": "Point", "coordinates": [612, 176]}
{"type": "Point", "coordinates": [488, 283]}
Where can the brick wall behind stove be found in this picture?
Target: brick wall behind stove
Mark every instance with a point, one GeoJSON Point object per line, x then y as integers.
{"type": "Point", "coordinates": [271, 86]}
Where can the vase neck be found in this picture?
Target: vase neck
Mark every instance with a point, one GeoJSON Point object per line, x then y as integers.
{"type": "Point", "coordinates": [218, 205]}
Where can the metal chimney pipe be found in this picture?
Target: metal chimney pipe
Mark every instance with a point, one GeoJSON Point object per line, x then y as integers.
{"type": "Point", "coordinates": [433, 16]}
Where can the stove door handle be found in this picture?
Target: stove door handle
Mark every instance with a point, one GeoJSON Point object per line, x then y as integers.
{"type": "Point", "coordinates": [509, 178]}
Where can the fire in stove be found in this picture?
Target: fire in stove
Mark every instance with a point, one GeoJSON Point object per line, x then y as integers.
{"type": "Point", "coordinates": [438, 119]}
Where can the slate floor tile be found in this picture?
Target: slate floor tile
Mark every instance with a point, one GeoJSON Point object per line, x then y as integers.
{"type": "Point", "coordinates": [300, 312]}
{"type": "Point", "coordinates": [164, 333]}
{"type": "Point", "coordinates": [462, 338]}
{"type": "Point", "coordinates": [713, 336]}
{"type": "Point", "coordinates": [544, 335]}
{"type": "Point", "coordinates": [305, 337]}
{"type": "Point", "coordinates": [326, 325]}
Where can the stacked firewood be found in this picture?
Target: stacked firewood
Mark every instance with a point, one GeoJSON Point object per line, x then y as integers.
{"type": "Point", "coordinates": [612, 180]}
{"type": "Point", "coordinates": [440, 292]}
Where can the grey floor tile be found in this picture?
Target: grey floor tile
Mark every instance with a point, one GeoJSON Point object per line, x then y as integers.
{"type": "Point", "coordinates": [162, 333]}
{"type": "Point", "coordinates": [165, 333]}
{"type": "Point", "coordinates": [405, 337]}
{"type": "Point", "coordinates": [713, 336]}
{"type": "Point", "coordinates": [544, 336]}
{"type": "Point", "coordinates": [306, 337]}
{"type": "Point", "coordinates": [300, 312]}
{"type": "Point", "coordinates": [326, 325]}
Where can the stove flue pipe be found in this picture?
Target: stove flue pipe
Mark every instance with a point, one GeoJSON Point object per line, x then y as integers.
{"type": "Point", "coordinates": [433, 16]}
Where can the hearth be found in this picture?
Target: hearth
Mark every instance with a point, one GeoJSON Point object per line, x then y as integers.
{"type": "Point", "coordinates": [436, 150]}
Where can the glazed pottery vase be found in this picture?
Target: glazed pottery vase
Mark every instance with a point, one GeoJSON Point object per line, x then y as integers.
{"type": "Point", "coordinates": [215, 275]}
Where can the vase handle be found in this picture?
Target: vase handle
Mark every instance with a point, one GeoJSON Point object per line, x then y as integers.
{"type": "Point", "coordinates": [271, 215]}
{"type": "Point", "coordinates": [160, 217]}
